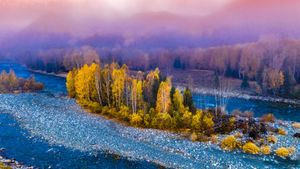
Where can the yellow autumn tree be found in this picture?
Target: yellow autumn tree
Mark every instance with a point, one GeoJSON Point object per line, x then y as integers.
{"type": "Point", "coordinates": [163, 100]}
{"type": "Point", "coordinates": [13, 81]}
{"type": "Point", "coordinates": [136, 95]}
{"type": "Point", "coordinates": [178, 101]}
{"type": "Point", "coordinates": [151, 86]}
{"type": "Point", "coordinates": [70, 83]}
{"type": "Point", "coordinates": [117, 87]}
{"type": "Point", "coordinates": [85, 84]}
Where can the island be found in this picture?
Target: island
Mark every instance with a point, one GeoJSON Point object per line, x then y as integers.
{"type": "Point", "coordinates": [10, 83]}
{"type": "Point", "coordinates": [149, 100]}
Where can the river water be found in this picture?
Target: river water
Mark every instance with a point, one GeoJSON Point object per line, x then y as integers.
{"type": "Point", "coordinates": [47, 129]}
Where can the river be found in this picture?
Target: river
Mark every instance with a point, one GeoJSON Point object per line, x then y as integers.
{"type": "Point", "coordinates": [47, 129]}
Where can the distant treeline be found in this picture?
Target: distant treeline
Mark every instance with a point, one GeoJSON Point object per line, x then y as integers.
{"type": "Point", "coordinates": [10, 83]}
{"type": "Point", "coordinates": [274, 64]}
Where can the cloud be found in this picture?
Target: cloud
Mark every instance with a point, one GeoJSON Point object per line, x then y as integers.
{"type": "Point", "coordinates": [17, 14]}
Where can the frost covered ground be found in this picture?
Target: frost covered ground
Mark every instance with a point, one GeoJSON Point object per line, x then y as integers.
{"type": "Point", "coordinates": [60, 121]}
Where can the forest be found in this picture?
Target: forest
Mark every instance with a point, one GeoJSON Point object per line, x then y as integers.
{"type": "Point", "coordinates": [149, 100]}
{"type": "Point", "coordinates": [10, 83]}
{"type": "Point", "coordinates": [272, 65]}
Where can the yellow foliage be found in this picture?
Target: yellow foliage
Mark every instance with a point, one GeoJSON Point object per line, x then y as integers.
{"type": "Point", "coordinates": [163, 100]}
{"type": "Point", "coordinates": [124, 112]}
{"type": "Point", "coordinates": [187, 118]}
{"type": "Point", "coordinates": [193, 137]}
{"type": "Point", "coordinates": [268, 118]}
{"type": "Point", "coordinates": [283, 152]}
{"type": "Point", "coordinates": [196, 120]}
{"type": "Point", "coordinates": [136, 120]}
{"type": "Point", "coordinates": [70, 83]}
{"type": "Point", "coordinates": [178, 101]}
{"type": "Point", "coordinates": [250, 148]}
{"type": "Point", "coordinates": [3, 166]}
{"type": "Point", "coordinates": [136, 95]}
{"type": "Point", "coordinates": [265, 150]}
{"type": "Point", "coordinates": [296, 125]}
{"type": "Point", "coordinates": [85, 83]}
{"type": "Point", "coordinates": [117, 87]}
{"type": "Point", "coordinates": [208, 122]}
{"type": "Point", "coordinates": [272, 139]}
{"type": "Point", "coordinates": [229, 143]}
{"type": "Point", "coordinates": [163, 121]}
{"type": "Point", "coordinates": [281, 131]}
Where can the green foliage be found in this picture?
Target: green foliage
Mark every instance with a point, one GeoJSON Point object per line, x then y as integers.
{"type": "Point", "coordinates": [188, 100]}
{"type": "Point", "coordinates": [245, 83]}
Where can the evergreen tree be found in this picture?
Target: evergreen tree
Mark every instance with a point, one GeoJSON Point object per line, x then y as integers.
{"type": "Point", "coordinates": [188, 100]}
{"type": "Point", "coordinates": [245, 83]}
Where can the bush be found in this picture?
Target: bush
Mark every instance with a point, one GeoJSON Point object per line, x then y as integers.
{"type": "Point", "coordinates": [283, 152]}
{"type": "Point", "coordinates": [196, 120]}
{"type": "Point", "coordinates": [214, 139]}
{"type": "Point", "coordinates": [281, 131]}
{"type": "Point", "coordinates": [94, 107]}
{"type": "Point", "coordinates": [208, 122]}
{"type": "Point", "coordinates": [3, 166]}
{"type": "Point", "coordinates": [124, 113]}
{"type": "Point", "coordinates": [186, 119]}
{"type": "Point", "coordinates": [193, 137]}
{"type": "Point", "coordinates": [163, 121]}
{"type": "Point", "coordinates": [229, 143]}
{"type": "Point", "coordinates": [268, 118]}
{"type": "Point", "coordinates": [250, 148]}
{"type": "Point", "coordinates": [272, 139]}
{"type": "Point", "coordinates": [136, 120]}
{"type": "Point", "coordinates": [265, 150]}
{"type": "Point", "coordinates": [296, 125]}
{"type": "Point", "coordinates": [147, 120]}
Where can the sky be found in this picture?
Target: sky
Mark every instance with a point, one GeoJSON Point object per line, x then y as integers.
{"type": "Point", "coordinates": [201, 20]}
{"type": "Point", "coordinates": [17, 14]}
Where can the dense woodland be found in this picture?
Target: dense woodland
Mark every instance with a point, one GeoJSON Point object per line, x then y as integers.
{"type": "Point", "coordinates": [10, 83]}
{"type": "Point", "coordinates": [274, 65]}
{"type": "Point", "coordinates": [149, 100]}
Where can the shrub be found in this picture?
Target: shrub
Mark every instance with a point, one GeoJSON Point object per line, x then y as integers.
{"type": "Point", "coordinates": [229, 143]}
{"type": "Point", "coordinates": [214, 139]}
{"type": "Point", "coordinates": [296, 125]}
{"type": "Point", "coordinates": [186, 119]}
{"type": "Point", "coordinates": [208, 122]}
{"type": "Point", "coordinates": [283, 152]}
{"type": "Point", "coordinates": [3, 166]}
{"type": "Point", "coordinates": [281, 131]}
{"type": "Point", "coordinates": [94, 107]}
{"type": "Point", "coordinates": [136, 120]}
{"type": "Point", "coordinates": [163, 121]}
{"type": "Point", "coordinates": [265, 150]}
{"type": "Point", "coordinates": [147, 120]}
{"type": "Point", "coordinates": [251, 148]}
{"type": "Point", "coordinates": [272, 139]}
{"type": "Point", "coordinates": [196, 120]}
{"type": "Point", "coordinates": [124, 113]}
{"type": "Point", "coordinates": [193, 137]}
{"type": "Point", "coordinates": [268, 118]}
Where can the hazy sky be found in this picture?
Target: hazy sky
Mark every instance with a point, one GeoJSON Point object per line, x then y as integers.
{"type": "Point", "coordinates": [17, 14]}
